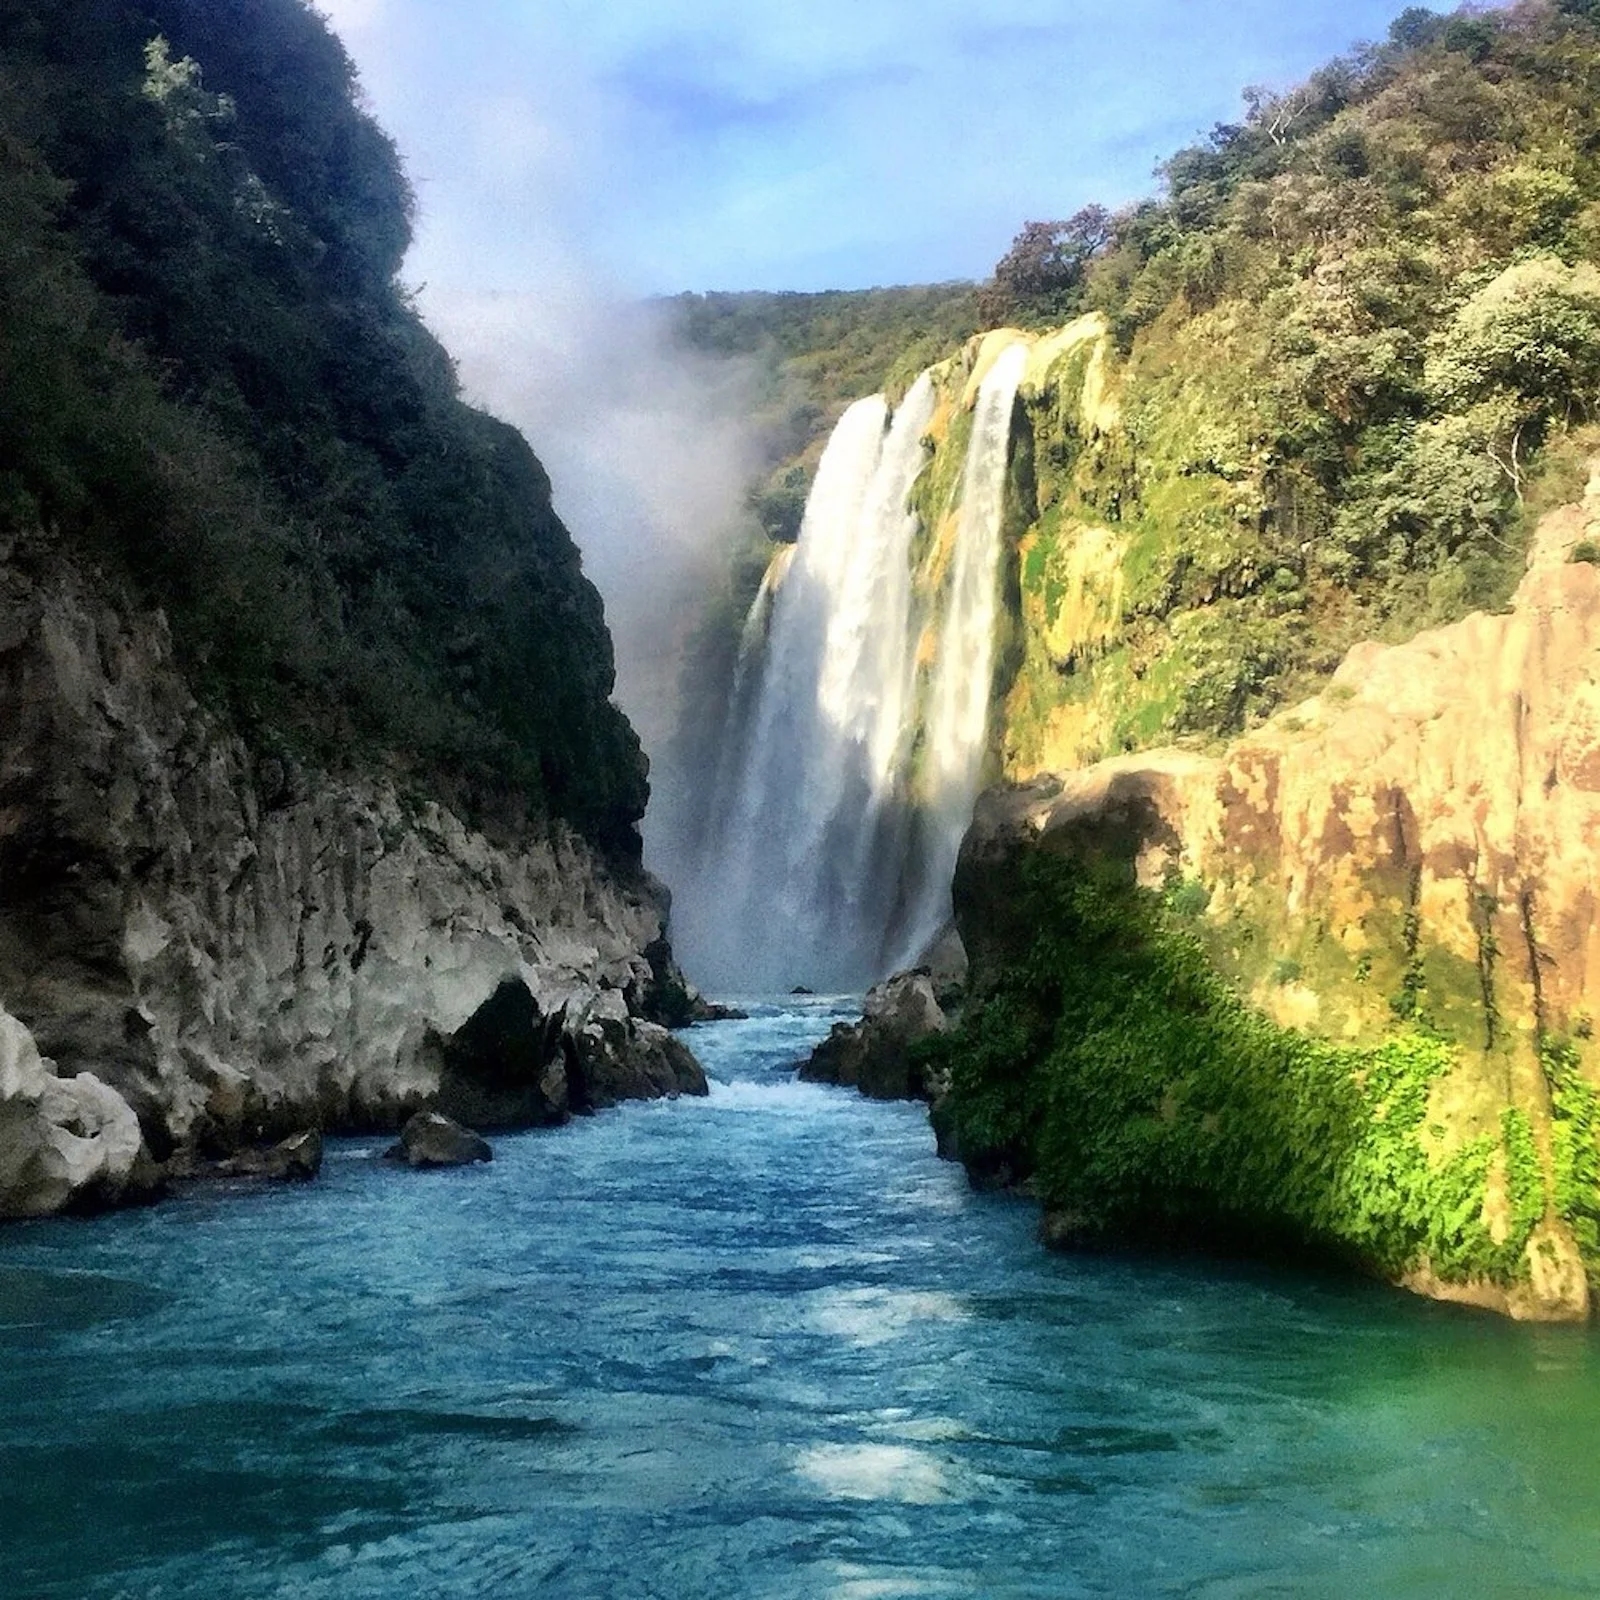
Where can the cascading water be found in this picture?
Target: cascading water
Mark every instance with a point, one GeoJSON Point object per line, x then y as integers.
{"type": "Point", "coordinates": [957, 716]}
{"type": "Point", "coordinates": [849, 772]}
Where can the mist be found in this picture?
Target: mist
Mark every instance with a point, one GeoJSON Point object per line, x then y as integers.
{"type": "Point", "coordinates": [647, 443]}
{"type": "Point", "coordinates": [650, 453]}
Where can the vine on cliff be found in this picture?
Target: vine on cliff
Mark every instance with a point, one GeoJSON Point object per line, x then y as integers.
{"type": "Point", "coordinates": [1575, 1145]}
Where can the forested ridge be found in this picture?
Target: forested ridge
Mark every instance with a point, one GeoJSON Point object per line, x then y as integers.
{"type": "Point", "coordinates": [1354, 352]}
{"type": "Point", "coordinates": [213, 385]}
{"type": "Point", "coordinates": [1317, 392]}
{"type": "Point", "coordinates": [1384, 277]}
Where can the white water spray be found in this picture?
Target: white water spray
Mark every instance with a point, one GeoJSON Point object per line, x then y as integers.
{"type": "Point", "coordinates": [957, 717]}
{"type": "Point", "coordinates": [851, 772]}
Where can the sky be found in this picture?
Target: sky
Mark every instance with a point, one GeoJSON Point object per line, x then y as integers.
{"type": "Point", "coordinates": [735, 144]}
{"type": "Point", "coordinates": [572, 157]}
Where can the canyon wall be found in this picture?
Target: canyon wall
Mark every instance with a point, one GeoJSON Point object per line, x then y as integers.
{"type": "Point", "coordinates": [203, 947]}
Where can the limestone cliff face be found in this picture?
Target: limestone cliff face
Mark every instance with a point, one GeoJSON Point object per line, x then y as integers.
{"type": "Point", "coordinates": [233, 949]}
{"type": "Point", "coordinates": [1418, 846]}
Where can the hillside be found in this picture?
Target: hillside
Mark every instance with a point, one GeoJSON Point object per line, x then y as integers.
{"type": "Point", "coordinates": [1347, 356]}
{"type": "Point", "coordinates": [1352, 351]}
{"type": "Point", "coordinates": [1255, 963]}
{"type": "Point", "coordinates": [314, 809]}
{"type": "Point", "coordinates": [1281, 921]}
{"type": "Point", "coordinates": [212, 384]}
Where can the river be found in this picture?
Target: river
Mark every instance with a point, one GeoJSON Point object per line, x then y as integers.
{"type": "Point", "coordinates": [760, 1345]}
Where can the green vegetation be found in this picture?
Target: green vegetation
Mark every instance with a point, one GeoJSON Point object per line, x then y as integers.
{"type": "Point", "coordinates": [815, 353]}
{"type": "Point", "coordinates": [212, 385]}
{"type": "Point", "coordinates": [1342, 344]}
{"type": "Point", "coordinates": [1112, 1066]}
{"type": "Point", "coordinates": [1575, 1140]}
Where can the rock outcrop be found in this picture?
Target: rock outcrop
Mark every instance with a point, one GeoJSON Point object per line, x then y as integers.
{"type": "Point", "coordinates": [615, 1057]}
{"type": "Point", "coordinates": [63, 1141]}
{"type": "Point", "coordinates": [430, 1140]}
{"type": "Point", "coordinates": [218, 950]}
{"type": "Point", "coordinates": [293, 1160]}
{"type": "Point", "coordinates": [1419, 844]}
{"type": "Point", "coordinates": [874, 1054]}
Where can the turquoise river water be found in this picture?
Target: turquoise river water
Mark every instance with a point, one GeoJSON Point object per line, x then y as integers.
{"type": "Point", "coordinates": [761, 1345]}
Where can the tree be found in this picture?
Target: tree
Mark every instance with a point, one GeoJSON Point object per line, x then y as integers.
{"type": "Point", "coordinates": [1040, 278]}
{"type": "Point", "coordinates": [1522, 351]}
{"type": "Point", "coordinates": [1415, 28]}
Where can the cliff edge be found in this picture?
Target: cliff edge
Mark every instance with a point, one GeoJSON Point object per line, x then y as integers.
{"type": "Point", "coordinates": [1334, 987]}
{"type": "Point", "coordinates": [202, 947]}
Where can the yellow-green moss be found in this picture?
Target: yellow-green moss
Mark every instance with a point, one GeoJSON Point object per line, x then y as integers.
{"type": "Point", "coordinates": [1108, 1061]}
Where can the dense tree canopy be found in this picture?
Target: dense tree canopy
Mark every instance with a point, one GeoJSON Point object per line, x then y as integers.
{"type": "Point", "coordinates": [210, 377]}
{"type": "Point", "coordinates": [1040, 278]}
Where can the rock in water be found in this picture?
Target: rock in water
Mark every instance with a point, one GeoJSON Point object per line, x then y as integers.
{"type": "Point", "coordinates": [1399, 874]}
{"type": "Point", "coordinates": [431, 1139]}
{"type": "Point", "coordinates": [616, 1057]}
{"type": "Point", "coordinates": [874, 1055]}
{"type": "Point", "coordinates": [295, 1159]}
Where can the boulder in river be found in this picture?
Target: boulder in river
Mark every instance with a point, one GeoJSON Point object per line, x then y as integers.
{"type": "Point", "coordinates": [431, 1139]}
{"type": "Point", "coordinates": [615, 1057]}
{"type": "Point", "coordinates": [66, 1143]}
{"type": "Point", "coordinates": [295, 1159]}
{"type": "Point", "coordinates": [874, 1055]}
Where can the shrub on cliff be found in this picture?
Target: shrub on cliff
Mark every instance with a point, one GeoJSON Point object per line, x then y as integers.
{"type": "Point", "coordinates": [1105, 1060]}
{"type": "Point", "coordinates": [211, 380]}
{"type": "Point", "coordinates": [1343, 338]}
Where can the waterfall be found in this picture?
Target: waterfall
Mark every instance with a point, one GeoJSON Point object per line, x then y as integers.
{"type": "Point", "coordinates": [859, 720]}
{"type": "Point", "coordinates": [957, 716]}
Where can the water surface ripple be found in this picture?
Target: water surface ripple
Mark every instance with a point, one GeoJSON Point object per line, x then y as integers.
{"type": "Point", "coordinates": [762, 1345]}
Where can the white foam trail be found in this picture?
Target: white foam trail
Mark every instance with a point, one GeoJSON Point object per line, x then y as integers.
{"type": "Point", "coordinates": [875, 1472]}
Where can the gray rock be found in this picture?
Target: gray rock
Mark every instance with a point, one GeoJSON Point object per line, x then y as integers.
{"type": "Point", "coordinates": [65, 1143]}
{"type": "Point", "coordinates": [297, 1159]}
{"type": "Point", "coordinates": [615, 1057]}
{"type": "Point", "coordinates": [232, 948]}
{"type": "Point", "coordinates": [430, 1139]}
{"type": "Point", "coordinates": [505, 1067]}
{"type": "Point", "coordinates": [873, 1055]}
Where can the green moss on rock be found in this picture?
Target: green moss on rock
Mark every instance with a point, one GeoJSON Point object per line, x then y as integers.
{"type": "Point", "coordinates": [1110, 1065]}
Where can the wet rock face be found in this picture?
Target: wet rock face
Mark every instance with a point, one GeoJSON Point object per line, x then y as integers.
{"type": "Point", "coordinates": [432, 1140]}
{"type": "Point", "coordinates": [873, 1055]}
{"type": "Point", "coordinates": [235, 949]}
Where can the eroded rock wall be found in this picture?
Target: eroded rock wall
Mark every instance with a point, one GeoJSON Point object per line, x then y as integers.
{"type": "Point", "coordinates": [234, 949]}
{"type": "Point", "coordinates": [1417, 848]}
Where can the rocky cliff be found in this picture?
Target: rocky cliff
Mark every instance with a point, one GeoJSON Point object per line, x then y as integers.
{"type": "Point", "coordinates": [1335, 984]}
{"type": "Point", "coordinates": [203, 947]}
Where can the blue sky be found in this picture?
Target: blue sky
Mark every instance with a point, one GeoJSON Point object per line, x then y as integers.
{"type": "Point", "coordinates": [697, 144]}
